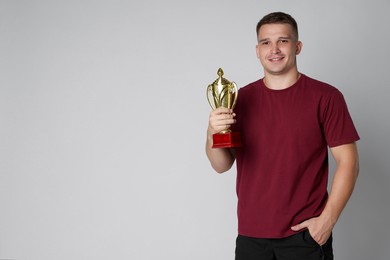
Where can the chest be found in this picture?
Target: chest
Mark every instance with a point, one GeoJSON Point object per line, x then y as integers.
{"type": "Point", "coordinates": [282, 118]}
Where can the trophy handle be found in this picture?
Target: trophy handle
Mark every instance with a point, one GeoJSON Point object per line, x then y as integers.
{"type": "Point", "coordinates": [235, 94]}
{"type": "Point", "coordinates": [210, 89]}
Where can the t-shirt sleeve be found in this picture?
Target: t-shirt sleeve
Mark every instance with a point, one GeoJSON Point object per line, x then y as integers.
{"type": "Point", "coordinates": [337, 123]}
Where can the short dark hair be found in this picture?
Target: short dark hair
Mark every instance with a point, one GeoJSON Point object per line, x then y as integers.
{"type": "Point", "coordinates": [278, 18]}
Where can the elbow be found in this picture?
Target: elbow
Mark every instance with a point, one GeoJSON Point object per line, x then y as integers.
{"type": "Point", "coordinates": [221, 170]}
{"type": "Point", "coordinates": [222, 167]}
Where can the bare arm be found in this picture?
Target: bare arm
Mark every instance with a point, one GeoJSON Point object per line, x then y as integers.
{"type": "Point", "coordinates": [347, 170]}
{"type": "Point", "coordinates": [221, 159]}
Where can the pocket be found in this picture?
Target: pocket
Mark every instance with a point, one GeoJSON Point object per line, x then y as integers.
{"type": "Point", "coordinates": [309, 239]}
{"type": "Point", "coordinates": [329, 241]}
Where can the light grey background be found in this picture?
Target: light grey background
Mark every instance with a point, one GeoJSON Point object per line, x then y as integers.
{"type": "Point", "coordinates": [103, 116]}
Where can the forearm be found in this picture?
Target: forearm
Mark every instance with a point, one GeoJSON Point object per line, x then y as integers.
{"type": "Point", "coordinates": [221, 159]}
{"type": "Point", "coordinates": [342, 186]}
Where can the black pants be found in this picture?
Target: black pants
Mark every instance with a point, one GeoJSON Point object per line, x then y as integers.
{"type": "Point", "coordinates": [300, 246]}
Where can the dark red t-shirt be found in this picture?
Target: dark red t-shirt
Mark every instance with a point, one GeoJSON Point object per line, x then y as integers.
{"type": "Point", "coordinates": [282, 168]}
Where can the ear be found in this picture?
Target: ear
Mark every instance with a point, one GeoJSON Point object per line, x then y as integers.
{"type": "Point", "coordinates": [298, 47]}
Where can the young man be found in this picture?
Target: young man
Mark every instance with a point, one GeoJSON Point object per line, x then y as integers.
{"type": "Point", "coordinates": [287, 121]}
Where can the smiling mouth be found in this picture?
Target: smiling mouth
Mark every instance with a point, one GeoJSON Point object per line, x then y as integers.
{"type": "Point", "coordinates": [276, 59]}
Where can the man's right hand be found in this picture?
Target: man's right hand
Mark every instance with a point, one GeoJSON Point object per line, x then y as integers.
{"type": "Point", "coordinates": [220, 119]}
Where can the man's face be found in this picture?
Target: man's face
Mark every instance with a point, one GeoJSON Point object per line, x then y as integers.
{"type": "Point", "coordinates": [277, 48]}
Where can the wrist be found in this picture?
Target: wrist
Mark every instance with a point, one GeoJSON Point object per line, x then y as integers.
{"type": "Point", "coordinates": [329, 216]}
{"type": "Point", "coordinates": [209, 139]}
{"type": "Point", "coordinates": [210, 132]}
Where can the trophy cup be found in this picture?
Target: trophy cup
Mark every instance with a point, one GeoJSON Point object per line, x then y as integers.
{"type": "Point", "coordinates": [223, 93]}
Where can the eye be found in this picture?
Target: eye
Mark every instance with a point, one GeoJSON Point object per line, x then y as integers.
{"type": "Point", "coordinates": [265, 43]}
{"type": "Point", "coordinates": [283, 41]}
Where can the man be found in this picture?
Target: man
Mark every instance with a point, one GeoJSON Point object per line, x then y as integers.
{"type": "Point", "coordinates": [287, 121]}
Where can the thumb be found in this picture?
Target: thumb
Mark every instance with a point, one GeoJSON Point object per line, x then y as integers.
{"type": "Point", "coordinates": [300, 226]}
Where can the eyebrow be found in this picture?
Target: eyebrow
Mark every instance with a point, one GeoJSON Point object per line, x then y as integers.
{"type": "Point", "coordinates": [280, 38]}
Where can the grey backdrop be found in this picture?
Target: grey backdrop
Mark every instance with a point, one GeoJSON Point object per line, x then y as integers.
{"type": "Point", "coordinates": [103, 116]}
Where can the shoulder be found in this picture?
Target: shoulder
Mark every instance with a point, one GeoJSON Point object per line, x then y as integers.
{"type": "Point", "coordinates": [250, 88]}
{"type": "Point", "coordinates": [322, 93]}
{"type": "Point", "coordinates": [320, 87]}
{"type": "Point", "coordinates": [247, 95]}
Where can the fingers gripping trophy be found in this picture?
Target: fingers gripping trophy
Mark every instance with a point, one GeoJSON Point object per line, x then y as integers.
{"type": "Point", "coordinates": [223, 93]}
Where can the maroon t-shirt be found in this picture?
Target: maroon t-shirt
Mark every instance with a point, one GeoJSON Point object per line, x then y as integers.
{"type": "Point", "coordinates": [282, 168]}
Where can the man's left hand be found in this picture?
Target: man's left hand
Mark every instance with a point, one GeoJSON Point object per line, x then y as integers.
{"type": "Point", "coordinates": [319, 228]}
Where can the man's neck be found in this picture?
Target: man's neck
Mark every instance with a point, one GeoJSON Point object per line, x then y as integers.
{"type": "Point", "coordinates": [278, 82]}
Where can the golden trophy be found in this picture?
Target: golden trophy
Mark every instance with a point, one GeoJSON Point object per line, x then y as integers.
{"type": "Point", "coordinates": [223, 93]}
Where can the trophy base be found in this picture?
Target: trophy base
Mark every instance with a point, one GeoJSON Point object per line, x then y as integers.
{"type": "Point", "coordinates": [227, 140]}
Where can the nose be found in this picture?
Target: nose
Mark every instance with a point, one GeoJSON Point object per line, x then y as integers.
{"type": "Point", "coordinates": [275, 48]}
